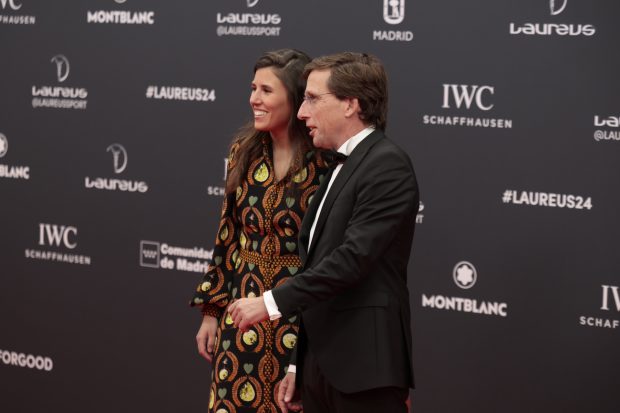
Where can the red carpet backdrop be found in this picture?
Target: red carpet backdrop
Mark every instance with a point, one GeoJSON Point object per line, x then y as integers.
{"type": "Point", "coordinates": [115, 119]}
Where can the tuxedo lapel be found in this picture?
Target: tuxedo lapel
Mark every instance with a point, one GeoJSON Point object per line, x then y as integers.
{"type": "Point", "coordinates": [352, 163]}
{"type": "Point", "coordinates": [306, 224]}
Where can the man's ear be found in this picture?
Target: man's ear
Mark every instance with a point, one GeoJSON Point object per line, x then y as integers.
{"type": "Point", "coordinates": [352, 108]}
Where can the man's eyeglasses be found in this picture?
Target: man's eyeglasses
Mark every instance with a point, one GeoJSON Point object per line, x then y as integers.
{"type": "Point", "coordinates": [312, 99]}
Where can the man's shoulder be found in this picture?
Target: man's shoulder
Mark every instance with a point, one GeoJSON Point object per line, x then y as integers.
{"type": "Point", "coordinates": [386, 149]}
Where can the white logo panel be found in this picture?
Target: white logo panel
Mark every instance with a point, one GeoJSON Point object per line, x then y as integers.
{"type": "Point", "coordinates": [119, 157]}
{"type": "Point", "coordinates": [4, 145]}
{"type": "Point", "coordinates": [464, 275]}
{"type": "Point", "coordinates": [610, 304]}
{"type": "Point", "coordinates": [457, 98]}
{"type": "Point", "coordinates": [62, 67]}
{"type": "Point", "coordinates": [155, 254]}
{"type": "Point", "coordinates": [63, 238]}
{"type": "Point", "coordinates": [393, 11]}
{"type": "Point", "coordinates": [557, 6]}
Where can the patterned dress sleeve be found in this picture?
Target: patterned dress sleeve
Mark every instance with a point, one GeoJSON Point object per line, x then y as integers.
{"type": "Point", "coordinates": [213, 292]}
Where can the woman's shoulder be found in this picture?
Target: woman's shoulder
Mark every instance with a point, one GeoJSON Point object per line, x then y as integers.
{"type": "Point", "coordinates": [315, 156]}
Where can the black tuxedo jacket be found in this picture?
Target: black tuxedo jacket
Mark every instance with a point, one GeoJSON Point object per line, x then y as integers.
{"type": "Point", "coordinates": [352, 293]}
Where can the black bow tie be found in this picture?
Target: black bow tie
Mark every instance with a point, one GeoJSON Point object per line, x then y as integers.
{"type": "Point", "coordinates": [333, 158]}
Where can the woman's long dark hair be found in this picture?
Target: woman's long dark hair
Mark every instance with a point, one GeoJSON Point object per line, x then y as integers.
{"type": "Point", "coordinates": [288, 65]}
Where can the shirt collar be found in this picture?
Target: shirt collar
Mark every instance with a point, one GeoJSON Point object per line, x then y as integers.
{"type": "Point", "coordinates": [355, 140]}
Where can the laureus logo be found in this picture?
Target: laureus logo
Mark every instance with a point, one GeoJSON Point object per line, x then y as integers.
{"type": "Point", "coordinates": [62, 67]}
{"type": "Point", "coordinates": [4, 145]}
{"type": "Point", "coordinates": [119, 156]}
{"type": "Point", "coordinates": [393, 11]}
{"type": "Point", "coordinates": [252, 3]}
{"type": "Point", "coordinates": [557, 6]}
{"type": "Point", "coordinates": [11, 4]}
{"type": "Point", "coordinates": [120, 1]}
{"type": "Point", "coordinates": [464, 275]}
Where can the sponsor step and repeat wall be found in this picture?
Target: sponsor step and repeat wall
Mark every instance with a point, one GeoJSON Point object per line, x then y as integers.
{"type": "Point", "coordinates": [115, 121]}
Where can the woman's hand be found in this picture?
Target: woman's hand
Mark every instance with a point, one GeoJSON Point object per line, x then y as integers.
{"type": "Point", "coordinates": [205, 339]}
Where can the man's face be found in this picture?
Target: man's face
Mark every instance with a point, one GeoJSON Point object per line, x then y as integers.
{"type": "Point", "coordinates": [322, 111]}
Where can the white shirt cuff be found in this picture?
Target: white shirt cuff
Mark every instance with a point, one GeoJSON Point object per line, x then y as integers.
{"type": "Point", "coordinates": [292, 369]}
{"type": "Point", "coordinates": [272, 307]}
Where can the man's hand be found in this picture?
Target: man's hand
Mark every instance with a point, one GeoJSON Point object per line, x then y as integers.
{"type": "Point", "coordinates": [205, 338]}
{"type": "Point", "coordinates": [246, 312]}
{"type": "Point", "coordinates": [288, 399]}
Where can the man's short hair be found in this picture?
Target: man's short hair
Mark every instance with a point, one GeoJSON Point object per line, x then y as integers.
{"type": "Point", "coordinates": [357, 75]}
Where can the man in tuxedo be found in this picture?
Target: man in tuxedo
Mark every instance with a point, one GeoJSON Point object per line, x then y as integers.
{"type": "Point", "coordinates": [354, 348]}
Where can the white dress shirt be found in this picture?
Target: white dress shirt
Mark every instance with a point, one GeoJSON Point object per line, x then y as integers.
{"type": "Point", "coordinates": [346, 149]}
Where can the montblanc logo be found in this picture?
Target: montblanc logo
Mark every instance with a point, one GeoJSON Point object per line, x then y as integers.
{"type": "Point", "coordinates": [464, 275]}
{"type": "Point", "coordinates": [11, 6]}
{"type": "Point", "coordinates": [466, 97]}
{"type": "Point", "coordinates": [119, 156]}
{"type": "Point", "coordinates": [57, 236]}
{"type": "Point", "coordinates": [556, 7]}
{"type": "Point", "coordinates": [393, 11]}
{"type": "Point", "coordinates": [4, 145]}
{"type": "Point", "coordinates": [62, 67]}
{"type": "Point", "coordinates": [11, 171]}
{"type": "Point", "coordinates": [119, 164]}
{"type": "Point", "coordinates": [11, 3]}
{"type": "Point", "coordinates": [59, 97]}
{"type": "Point", "coordinates": [120, 16]}
{"type": "Point", "coordinates": [610, 302]}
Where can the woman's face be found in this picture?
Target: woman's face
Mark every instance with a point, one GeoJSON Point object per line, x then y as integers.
{"type": "Point", "coordinates": [269, 101]}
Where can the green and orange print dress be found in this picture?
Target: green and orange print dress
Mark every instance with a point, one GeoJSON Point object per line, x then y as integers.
{"type": "Point", "coordinates": [255, 250]}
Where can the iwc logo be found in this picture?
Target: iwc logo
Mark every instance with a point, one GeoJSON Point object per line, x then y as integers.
{"type": "Point", "coordinates": [12, 6]}
{"type": "Point", "coordinates": [11, 3]}
{"type": "Point", "coordinates": [62, 238]}
{"type": "Point", "coordinates": [610, 303]}
{"type": "Point", "coordinates": [465, 275]}
{"type": "Point", "coordinates": [467, 97]}
{"type": "Point", "coordinates": [219, 190]}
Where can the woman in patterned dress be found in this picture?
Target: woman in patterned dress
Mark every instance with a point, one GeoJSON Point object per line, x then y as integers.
{"type": "Point", "coordinates": [272, 174]}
